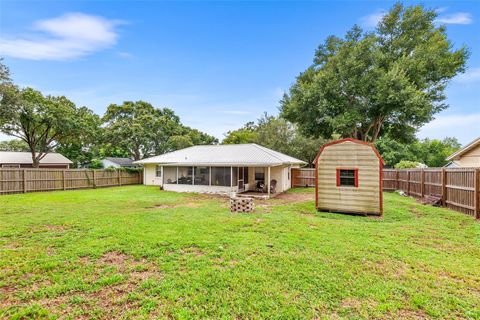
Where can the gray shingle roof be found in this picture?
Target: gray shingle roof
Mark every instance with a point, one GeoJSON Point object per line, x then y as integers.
{"type": "Point", "coordinates": [8, 157]}
{"type": "Point", "coordinates": [226, 154]}
{"type": "Point", "coordinates": [120, 161]}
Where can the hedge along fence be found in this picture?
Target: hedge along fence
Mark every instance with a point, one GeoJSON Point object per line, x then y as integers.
{"type": "Point", "coordinates": [31, 180]}
{"type": "Point", "coordinates": [458, 188]}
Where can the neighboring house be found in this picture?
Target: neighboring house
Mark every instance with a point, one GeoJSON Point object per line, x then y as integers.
{"type": "Point", "coordinates": [24, 160]}
{"type": "Point", "coordinates": [468, 156]}
{"type": "Point", "coordinates": [221, 169]}
{"type": "Point", "coordinates": [118, 162]}
{"type": "Point", "coordinates": [349, 178]}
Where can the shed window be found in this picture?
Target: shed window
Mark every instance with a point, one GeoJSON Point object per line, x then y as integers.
{"type": "Point", "coordinates": [347, 177]}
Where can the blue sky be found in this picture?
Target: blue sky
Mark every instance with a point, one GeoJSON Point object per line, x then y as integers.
{"type": "Point", "coordinates": [217, 64]}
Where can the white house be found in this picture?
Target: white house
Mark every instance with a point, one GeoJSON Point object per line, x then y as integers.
{"type": "Point", "coordinates": [221, 169]}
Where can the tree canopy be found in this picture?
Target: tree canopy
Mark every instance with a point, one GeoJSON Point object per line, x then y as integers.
{"type": "Point", "coordinates": [277, 134]}
{"type": "Point", "coordinates": [390, 81]}
{"type": "Point", "coordinates": [143, 130]}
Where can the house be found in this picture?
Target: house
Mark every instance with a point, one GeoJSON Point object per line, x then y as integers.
{"type": "Point", "coordinates": [349, 178]}
{"type": "Point", "coordinates": [468, 156]}
{"type": "Point", "coordinates": [221, 169]}
{"type": "Point", "coordinates": [118, 162]}
{"type": "Point", "coordinates": [10, 159]}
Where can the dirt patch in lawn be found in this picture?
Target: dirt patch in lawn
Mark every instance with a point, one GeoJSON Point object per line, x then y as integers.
{"type": "Point", "coordinates": [190, 204]}
{"type": "Point", "coordinates": [296, 196]}
{"type": "Point", "coordinates": [111, 297]}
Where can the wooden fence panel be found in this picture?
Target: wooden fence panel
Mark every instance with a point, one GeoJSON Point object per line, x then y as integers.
{"type": "Point", "coordinates": [459, 188]}
{"type": "Point", "coordinates": [31, 180]}
{"type": "Point", "coordinates": [303, 177]}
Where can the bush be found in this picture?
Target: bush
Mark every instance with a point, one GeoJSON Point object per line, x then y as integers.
{"type": "Point", "coordinates": [406, 164]}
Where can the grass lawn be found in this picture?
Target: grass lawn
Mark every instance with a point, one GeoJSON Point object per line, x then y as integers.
{"type": "Point", "coordinates": [137, 252]}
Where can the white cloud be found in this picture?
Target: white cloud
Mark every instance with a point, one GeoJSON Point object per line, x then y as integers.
{"type": "Point", "coordinates": [471, 75]}
{"type": "Point", "coordinates": [462, 126]}
{"type": "Point", "coordinates": [456, 18]}
{"type": "Point", "coordinates": [66, 37]}
{"type": "Point", "coordinates": [370, 21]}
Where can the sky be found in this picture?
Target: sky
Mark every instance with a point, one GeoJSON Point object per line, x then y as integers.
{"type": "Point", "coordinates": [216, 64]}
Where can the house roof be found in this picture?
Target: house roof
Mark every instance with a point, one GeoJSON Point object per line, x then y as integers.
{"type": "Point", "coordinates": [225, 154]}
{"type": "Point", "coordinates": [120, 161]}
{"type": "Point", "coordinates": [475, 143]}
{"type": "Point", "coordinates": [8, 157]}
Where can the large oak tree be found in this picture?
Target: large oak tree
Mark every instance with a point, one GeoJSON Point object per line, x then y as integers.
{"type": "Point", "coordinates": [391, 80]}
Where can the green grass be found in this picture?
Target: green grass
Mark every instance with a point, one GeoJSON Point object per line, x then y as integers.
{"type": "Point", "coordinates": [137, 252]}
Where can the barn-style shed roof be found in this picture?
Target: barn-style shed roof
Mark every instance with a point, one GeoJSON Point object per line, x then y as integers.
{"type": "Point", "coordinates": [354, 141]}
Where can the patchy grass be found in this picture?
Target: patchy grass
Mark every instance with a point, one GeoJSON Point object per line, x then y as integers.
{"type": "Point", "coordinates": [137, 252]}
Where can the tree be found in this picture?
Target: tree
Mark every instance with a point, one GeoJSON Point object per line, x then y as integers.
{"type": "Point", "coordinates": [393, 151]}
{"type": "Point", "coordinates": [365, 85]}
{"type": "Point", "coordinates": [246, 134]}
{"type": "Point", "coordinates": [277, 134]}
{"type": "Point", "coordinates": [14, 145]}
{"type": "Point", "coordinates": [143, 130]}
{"type": "Point", "coordinates": [433, 152]}
{"type": "Point", "coordinates": [40, 121]}
{"type": "Point", "coordinates": [84, 146]}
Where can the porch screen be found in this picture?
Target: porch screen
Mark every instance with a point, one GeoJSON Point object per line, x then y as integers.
{"type": "Point", "coordinates": [185, 175]}
{"type": "Point", "coordinates": [170, 175]}
{"type": "Point", "coordinates": [221, 176]}
{"type": "Point", "coordinates": [202, 176]}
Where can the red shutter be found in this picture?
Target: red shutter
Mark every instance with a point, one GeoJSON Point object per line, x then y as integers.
{"type": "Point", "coordinates": [338, 177]}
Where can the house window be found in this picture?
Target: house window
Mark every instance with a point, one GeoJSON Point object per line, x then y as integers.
{"type": "Point", "coordinates": [221, 176]}
{"type": "Point", "coordinates": [245, 175]}
{"type": "Point", "coordinates": [159, 171]}
{"type": "Point", "coordinates": [202, 176]}
{"type": "Point", "coordinates": [347, 178]}
{"type": "Point", "coordinates": [260, 174]}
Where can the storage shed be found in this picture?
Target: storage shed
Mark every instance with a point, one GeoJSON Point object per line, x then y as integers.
{"type": "Point", "coordinates": [349, 178]}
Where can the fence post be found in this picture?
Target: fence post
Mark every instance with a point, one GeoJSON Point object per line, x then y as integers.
{"type": "Point", "coordinates": [477, 193]}
{"type": "Point", "coordinates": [408, 182]}
{"type": "Point", "coordinates": [63, 179]}
{"type": "Point", "coordinates": [422, 183]}
{"type": "Point", "coordinates": [119, 177]}
{"type": "Point", "coordinates": [94, 181]}
{"type": "Point", "coordinates": [24, 180]}
{"type": "Point", "coordinates": [397, 182]}
{"type": "Point", "coordinates": [444, 187]}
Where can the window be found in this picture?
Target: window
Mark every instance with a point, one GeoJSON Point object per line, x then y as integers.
{"type": "Point", "coordinates": [202, 176]}
{"type": "Point", "coordinates": [170, 175]}
{"type": "Point", "coordinates": [221, 176]}
{"type": "Point", "coordinates": [260, 174]}
{"type": "Point", "coordinates": [347, 177]}
{"type": "Point", "coordinates": [159, 171]}
{"type": "Point", "coordinates": [185, 175]}
{"type": "Point", "coordinates": [245, 175]}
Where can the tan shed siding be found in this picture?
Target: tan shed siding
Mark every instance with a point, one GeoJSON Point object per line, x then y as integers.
{"type": "Point", "coordinates": [349, 155]}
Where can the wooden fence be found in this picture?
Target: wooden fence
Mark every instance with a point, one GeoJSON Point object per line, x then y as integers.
{"type": "Point", "coordinates": [303, 177]}
{"type": "Point", "coordinates": [31, 180]}
{"type": "Point", "coordinates": [459, 188]}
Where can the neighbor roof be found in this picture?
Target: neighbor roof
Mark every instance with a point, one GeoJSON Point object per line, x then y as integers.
{"type": "Point", "coordinates": [464, 150]}
{"type": "Point", "coordinates": [120, 161]}
{"type": "Point", "coordinates": [225, 154]}
{"type": "Point", "coordinates": [8, 157]}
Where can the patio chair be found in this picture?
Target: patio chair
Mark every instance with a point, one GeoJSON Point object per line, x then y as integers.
{"type": "Point", "coordinates": [273, 186]}
{"type": "Point", "coordinates": [260, 187]}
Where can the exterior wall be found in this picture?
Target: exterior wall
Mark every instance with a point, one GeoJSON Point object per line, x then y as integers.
{"type": "Point", "coordinates": [150, 175]}
{"type": "Point", "coordinates": [366, 198]}
{"type": "Point", "coordinates": [199, 189]}
{"type": "Point", "coordinates": [470, 159]}
{"type": "Point", "coordinates": [281, 174]}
